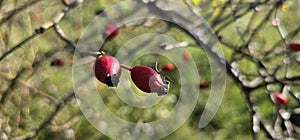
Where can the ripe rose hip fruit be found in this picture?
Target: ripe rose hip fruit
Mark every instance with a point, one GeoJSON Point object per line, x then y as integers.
{"type": "Point", "coordinates": [294, 47]}
{"type": "Point", "coordinates": [203, 84]}
{"type": "Point", "coordinates": [6, 36]}
{"type": "Point", "coordinates": [186, 56]}
{"type": "Point", "coordinates": [148, 80]}
{"type": "Point", "coordinates": [108, 70]}
{"type": "Point", "coordinates": [168, 67]}
{"type": "Point", "coordinates": [57, 62]}
{"type": "Point", "coordinates": [111, 30]}
{"type": "Point", "coordinates": [281, 99]}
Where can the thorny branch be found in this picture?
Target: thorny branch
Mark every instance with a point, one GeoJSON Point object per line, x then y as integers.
{"type": "Point", "coordinates": [257, 120]}
{"type": "Point", "coordinates": [17, 81]}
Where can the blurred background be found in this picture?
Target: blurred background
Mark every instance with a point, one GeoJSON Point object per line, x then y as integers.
{"type": "Point", "coordinates": [259, 40]}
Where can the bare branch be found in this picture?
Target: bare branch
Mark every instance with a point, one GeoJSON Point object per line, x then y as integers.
{"type": "Point", "coordinates": [46, 122]}
{"type": "Point", "coordinates": [66, 125]}
{"type": "Point", "coordinates": [60, 15]}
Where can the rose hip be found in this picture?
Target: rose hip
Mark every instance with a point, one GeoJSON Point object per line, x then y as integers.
{"type": "Point", "coordinates": [294, 47]}
{"type": "Point", "coordinates": [6, 36]}
{"type": "Point", "coordinates": [108, 70]}
{"type": "Point", "coordinates": [111, 31]}
{"type": "Point", "coordinates": [281, 99]}
{"type": "Point", "coordinates": [186, 56]}
{"type": "Point", "coordinates": [203, 84]}
{"type": "Point", "coordinates": [168, 67]}
{"type": "Point", "coordinates": [148, 80]}
{"type": "Point", "coordinates": [57, 62]}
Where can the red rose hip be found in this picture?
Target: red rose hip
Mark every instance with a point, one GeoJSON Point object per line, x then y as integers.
{"type": "Point", "coordinates": [111, 30]}
{"type": "Point", "coordinates": [148, 80]}
{"type": "Point", "coordinates": [57, 62]}
{"type": "Point", "coordinates": [294, 47]}
{"type": "Point", "coordinates": [203, 84]}
{"type": "Point", "coordinates": [168, 67]}
{"type": "Point", "coordinates": [108, 70]}
{"type": "Point", "coordinates": [186, 56]}
{"type": "Point", "coordinates": [281, 99]}
{"type": "Point", "coordinates": [6, 36]}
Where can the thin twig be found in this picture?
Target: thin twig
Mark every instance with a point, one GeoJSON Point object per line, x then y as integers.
{"type": "Point", "coordinates": [14, 12]}
{"type": "Point", "coordinates": [11, 87]}
{"type": "Point", "coordinates": [66, 125]}
{"type": "Point", "coordinates": [126, 67]}
{"type": "Point", "coordinates": [46, 122]}
{"type": "Point", "coordinates": [59, 16]}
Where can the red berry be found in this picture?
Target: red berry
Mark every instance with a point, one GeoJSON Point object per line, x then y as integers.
{"type": "Point", "coordinates": [203, 84]}
{"type": "Point", "coordinates": [57, 62]}
{"type": "Point", "coordinates": [294, 47]}
{"type": "Point", "coordinates": [6, 36]}
{"type": "Point", "coordinates": [187, 56]}
{"type": "Point", "coordinates": [168, 67]}
{"type": "Point", "coordinates": [108, 70]}
{"type": "Point", "coordinates": [281, 99]}
{"type": "Point", "coordinates": [111, 30]}
{"type": "Point", "coordinates": [148, 80]}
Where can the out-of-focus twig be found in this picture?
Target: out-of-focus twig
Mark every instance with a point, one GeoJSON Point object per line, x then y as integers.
{"type": "Point", "coordinates": [46, 122]}
{"type": "Point", "coordinates": [24, 84]}
{"type": "Point", "coordinates": [41, 30]}
{"type": "Point", "coordinates": [67, 125]}
{"type": "Point", "coordinates": [1, 2]}
{"type": "Point", "coordinates": [177, 45]}
{"type": "Point", "coordinates": [14, 12]}
{"type": "Point", "coordinates": [11, 86]}
{"type": "Point", "coordinates": [72, 44]}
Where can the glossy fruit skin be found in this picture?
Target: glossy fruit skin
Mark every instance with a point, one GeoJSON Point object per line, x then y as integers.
{"type": "Point", "coordinates": [148, 80]}
{"type": "Point", "coordinates": [281, 99]}
{"type": "Point", "coordinates": [57, 62]}
{"type": "Point", "coordinates": [294, 47]}
{"type": "Point", "coordinates": [168, 67]}
{"type": "Point", "coordinates": [108, 70]}
{"type": "Point", "coordinates": [186, 56]}
{"type": "Point", "coordinates": [111, 30]}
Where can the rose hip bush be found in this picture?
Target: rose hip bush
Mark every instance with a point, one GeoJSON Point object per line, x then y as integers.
{"type": "Point", "coordinates": [260, 40]}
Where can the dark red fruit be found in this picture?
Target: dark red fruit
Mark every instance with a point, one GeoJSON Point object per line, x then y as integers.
{"type": "Point", "coordinates": [6, 36]}
{"type": "Point", "coordinates": [203, 84]}
{"type": "Point", "coordinates": [148, 80]}
{"type": "Point", "coordinates": [108, 70]}
{"type": "Point", "coordinates": [168, 67]}
{"type": "Point", "coordinates": [186, 56]}
{"type": "Point", "coordinates": [57, 62]}
{"type": "Point", "coordinates": [281, 99]}
{"type": "Point", "coordinates": [294, 47]}
{"type": "Point", "coordinates": [111, 30]}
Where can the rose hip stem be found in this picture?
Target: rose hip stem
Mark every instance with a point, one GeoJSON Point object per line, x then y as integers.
{"type": "Point", "coordinates": [125, 67]}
